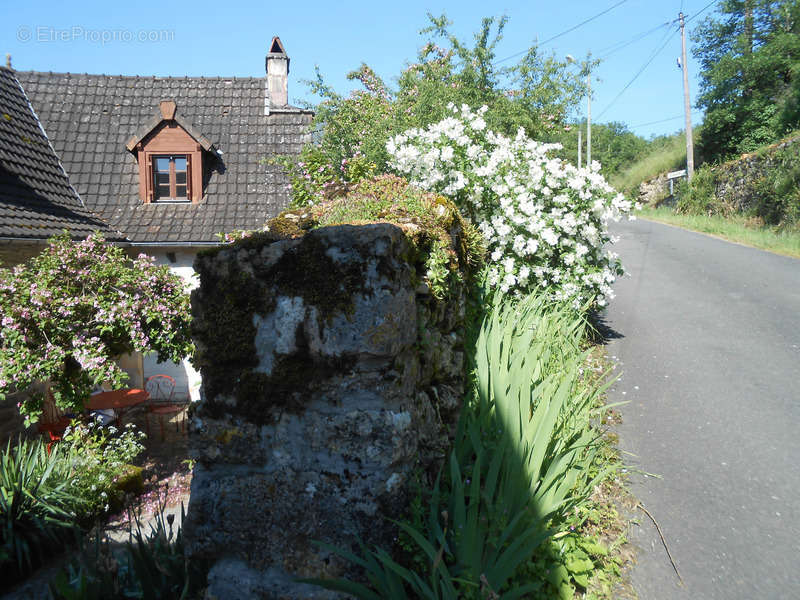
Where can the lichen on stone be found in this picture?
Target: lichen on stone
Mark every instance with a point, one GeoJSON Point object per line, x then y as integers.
{"type": "Point", "coordinates": [342, 367]}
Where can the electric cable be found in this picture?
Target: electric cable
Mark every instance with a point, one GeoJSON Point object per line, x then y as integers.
{"type": "Point", "coordinates": [702, 10]}
{"type": "Point", "coordinates": [694, 112]}
{"type": "Point", "coordinates": [565, 32]}
{"type": "Point", "coordinates": [620, 45]}
{"type": "Point", "coordinates": [652, 57]}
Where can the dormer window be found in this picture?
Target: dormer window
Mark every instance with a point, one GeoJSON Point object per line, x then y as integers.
{"type": "Point", "coordinates": [169, 151]}
{"type": "Point", "coordinates": [171, 178]}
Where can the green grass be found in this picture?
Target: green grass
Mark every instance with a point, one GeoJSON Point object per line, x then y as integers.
{"type": "Point", "coordinates": [668, 156]}
{"type": "Point", "coordinates": [737, 229]}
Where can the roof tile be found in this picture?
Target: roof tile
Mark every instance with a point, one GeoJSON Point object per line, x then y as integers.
{"type": "Point", "coordinates": [36, 198]}
{"type": "Point", "coordinates": [240, 192]}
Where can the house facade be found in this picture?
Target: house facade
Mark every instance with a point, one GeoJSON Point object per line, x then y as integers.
{"type": "Point", "coordinates": [172, 162]}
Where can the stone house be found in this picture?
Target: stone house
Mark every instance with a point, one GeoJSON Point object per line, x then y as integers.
{"type": "Point", "coordinates": [171, 162]}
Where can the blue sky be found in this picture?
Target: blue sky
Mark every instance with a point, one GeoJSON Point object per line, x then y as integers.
{"type": "Point", "coordinates": [230, 39]}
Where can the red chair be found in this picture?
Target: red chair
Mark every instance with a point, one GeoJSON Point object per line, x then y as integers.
{"type": "Point", "coordinates": [54, 430]}
{"type": "Point", "coordinates": [161, 389]}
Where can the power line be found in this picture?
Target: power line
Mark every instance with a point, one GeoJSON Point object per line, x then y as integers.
{"type": "Point", "coordinates": [565, 32]}
{"type": "Point", "coordinates": [620, 45]}
{"type": "Point", "coordinates": [702, 10]}
{"type": "Point", "coordinates": [694, 112]}
{"type": "Point", "coordinates": [652, 57]}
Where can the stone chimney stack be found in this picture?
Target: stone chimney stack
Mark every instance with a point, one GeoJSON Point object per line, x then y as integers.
{"type": "Point", "coordinates": [277, 75]}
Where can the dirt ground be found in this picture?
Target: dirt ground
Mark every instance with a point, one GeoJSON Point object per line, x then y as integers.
{"type": "Point", "coordinates": [167, 474]}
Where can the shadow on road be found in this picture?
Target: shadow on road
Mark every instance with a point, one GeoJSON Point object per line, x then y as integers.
{"type": "Point", "coordinates": [602, 333]}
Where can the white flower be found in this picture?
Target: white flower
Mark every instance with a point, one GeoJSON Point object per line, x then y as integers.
{"type": "Point", "coordinates": [549, 236]}
{"type": "Point", "coordinates": [544, 218]}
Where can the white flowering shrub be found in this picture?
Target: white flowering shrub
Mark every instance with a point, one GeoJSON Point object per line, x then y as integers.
{"type": "Point", "coordinates": [545, 221]}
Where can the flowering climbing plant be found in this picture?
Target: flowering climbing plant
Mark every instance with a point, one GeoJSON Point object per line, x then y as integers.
{"type": "Point", "coordinates": [70, 311]}
{"type": "Point", "coordinates": [545, 220]}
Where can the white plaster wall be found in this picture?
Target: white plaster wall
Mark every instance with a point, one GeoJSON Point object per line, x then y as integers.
{"type": "Point", "coordinates": [187, 379]}
{"type": "Point", "coordinates": [132, 365]}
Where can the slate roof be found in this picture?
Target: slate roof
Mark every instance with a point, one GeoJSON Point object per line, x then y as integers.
{"type": "Point", "coordinates": [36, 198]}
{"type": "Point", "coordinates": [90, 118]}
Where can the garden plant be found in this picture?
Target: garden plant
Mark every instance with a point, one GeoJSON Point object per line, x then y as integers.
{"type": "Point", "coordinates": [72, 310]}
{"type": "Point", "coordinates": [544, 220]}
{"type": "Point", "coordinates": [49, 495]}
{"type": "Point", "coordinates": [523, 466]}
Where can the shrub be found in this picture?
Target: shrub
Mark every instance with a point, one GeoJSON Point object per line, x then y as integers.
{"type": "Point", "coordinates": [699, 196]}
{"type": "Point", "coordinates": [103, 475]}
{"type": "Point", "coordinates": [36, 506]}
{"type": "Point", "coordinates": [777, 194]}
{"type": "Point", "coordinates": [545, 221]}
{"type": "Point", "coordinates": [314, 179]}
{"type": "Point", "coordinates": [72, 309]}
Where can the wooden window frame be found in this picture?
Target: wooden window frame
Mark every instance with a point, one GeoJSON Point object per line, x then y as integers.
{"type": "Point", "coordinates": [173, 178]}
{"type": "Point", "coordinates": [158, 145]}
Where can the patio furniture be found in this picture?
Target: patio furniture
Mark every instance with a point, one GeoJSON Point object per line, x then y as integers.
{"type": "Point", "coordinates": [163, 404]}
{"type": "Point", "coordinates": [54, 430]}
{"type": "Point", "coordinates": [120, 401]}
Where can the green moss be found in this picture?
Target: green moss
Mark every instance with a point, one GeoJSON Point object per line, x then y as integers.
{"type": "Point", "coordinates": [130, 481]}
{"type": "Point", "coordinates": [227, 327]}
{"type": "Point", "coordinates": [446, 249]}
{"type": "Point", "coordinates": [287, 389]}
{"type": "Point", "coordinates": [228, 356]}
{"type": "Point", "coordinates": [308, 272]}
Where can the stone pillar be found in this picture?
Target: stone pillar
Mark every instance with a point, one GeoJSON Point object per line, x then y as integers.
{"type": "Point", "coordinates": [329, 376]}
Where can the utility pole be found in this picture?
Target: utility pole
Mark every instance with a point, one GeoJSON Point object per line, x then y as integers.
{"type": "Point", "coordinates": [687, 105]}
{"type": "Point", "coordinates": [588, 116]}
{"type": "Point", "coordinates": [587, 65]}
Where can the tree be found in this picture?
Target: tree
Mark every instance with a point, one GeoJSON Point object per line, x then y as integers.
{"type": "Point", "coordinates": [614, 146]}
{"type": "Point", "coordinates": [750, 62]}
{"type": "Point", "coordinates": [536, 94]}
{"type": "Point", "coordinates": [70, 311]}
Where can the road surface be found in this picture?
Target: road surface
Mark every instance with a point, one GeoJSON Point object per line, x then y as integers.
{"type": "Point", "coordinates": [707, 335]}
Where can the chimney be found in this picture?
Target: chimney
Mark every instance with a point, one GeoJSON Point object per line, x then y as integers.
{"type": "Point", "coordinates": [277, 75]}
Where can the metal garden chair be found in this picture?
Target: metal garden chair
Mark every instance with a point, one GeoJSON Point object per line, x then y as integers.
{"type": "Point", "coordinates": [161, 389]}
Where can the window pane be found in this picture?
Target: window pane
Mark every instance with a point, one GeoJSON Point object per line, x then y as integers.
{"type": "Point", "coordinates": [180, 178]}
{"type": "Point", "coordinates": [162, 178]}
{"type": "Point", "coordinates": [162, 164]}
{"type": "Point", "coordinates": [180, 163]}
{"type": "Point", "coordinates": [162, 191]}
{"type": "Point", "coordinates": [180, 191]}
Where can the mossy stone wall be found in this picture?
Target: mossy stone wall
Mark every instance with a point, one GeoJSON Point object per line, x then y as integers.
{"type": "Point", "coordinates": [330, 375]}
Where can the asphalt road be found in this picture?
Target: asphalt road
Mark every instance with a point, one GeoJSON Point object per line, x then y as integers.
{"type": "Point", "coordinates": [709, 349]}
